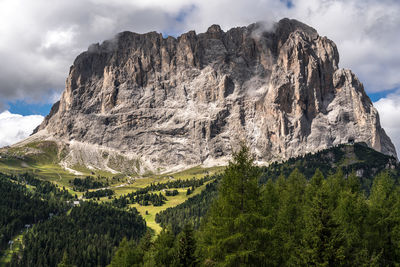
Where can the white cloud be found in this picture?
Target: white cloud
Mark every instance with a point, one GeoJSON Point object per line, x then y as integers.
{"type": "Point", "coordinates": [389, 111]}
{"type": "Point", "coordinates": [15, 127]}
{"type": "Point", "coordinates": [40, 39]}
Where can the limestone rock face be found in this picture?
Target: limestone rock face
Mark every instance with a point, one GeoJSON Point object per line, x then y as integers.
{"type": "Point", "coordinates": [168, 102]}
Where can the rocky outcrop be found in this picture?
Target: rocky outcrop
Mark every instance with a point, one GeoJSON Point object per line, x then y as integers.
{"type": "Point", "coordinates": [184, 101]}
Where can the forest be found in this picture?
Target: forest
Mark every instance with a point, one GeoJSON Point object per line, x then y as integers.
{"type": "Point", "coordinates": [99, 193]}
{"type": "Point", "coordinates": [328, 220]}
{"type": "Point", "coordinates": [365, 161]}
{"type": "Point", "coordinates": [88, 182]}
{"type": "Point", "coordinates": [337, 207]}
{"type": "Point", "coordinates": [189, 212]}
{"type": "Point", "coordinates": [86, 236]}
{"type": "Point", "coordinates": [20, 207]}
{"type": "Point", "coordinates": [145, 197]}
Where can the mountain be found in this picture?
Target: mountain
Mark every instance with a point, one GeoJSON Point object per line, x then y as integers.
{"type": "Point", "coordinates": [143, 102]}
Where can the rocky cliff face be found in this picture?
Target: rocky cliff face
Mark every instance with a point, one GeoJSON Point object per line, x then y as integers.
{"type": "Point", "coordinates": [166, 102]}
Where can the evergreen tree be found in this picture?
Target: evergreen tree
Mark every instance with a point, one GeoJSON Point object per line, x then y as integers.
{"type": "Point", "coordinates": [384, 219]}
{"type": "Point", "coordinates": [318, 246]}
{"type": "Point", "coordinates": [230, 235]}
{"type": "Point", "coordinates": [186, 248]}
{"type": "Point", "coordinates": [286, 232]}
{"type": "Point", "coordinates": [65, 261]}
{"type": "Point", "coordinates": [126, 255]}
{"type": "Point", "coordinates": [350, 216]}
{"type": "Point", "coordinates": [270, 207]}
{"type": "Point", "coordinates": [164, 254]}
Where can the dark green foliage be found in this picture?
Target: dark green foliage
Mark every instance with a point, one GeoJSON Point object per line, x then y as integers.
{"type": "Point", "coordinates": [232, 230]}
{"type": "Point", "coordinates": [328, 220]}
{"type": "Point", "coordinates": [144, 197]}
{"type": "Point", "coordinates": [320, 222]}
{"type": "Point", "coordinates": [349, 158]}
{"type": "Point", "coordinates": [188, 191]}
{"type": "Point", "coordinates": [127, 255]}
{"type": "Point", "coordinates": [186, 248]}
{"type": "Point", "coordinates": [98, 193]}
{"type": "Point", "coordinates": [171, 193]}
{"type": "Point", "coordinates": [189, 212]}
{"type": "Point", "coordinates": [43, 188]}
{"type": "Point", "coordinates": [88, 235]}
{"type": "Point", "coordinates": [164, 248]}
{"type": "Point", "coordinates": [88, 182]}
{"type": "Point", "coordinates": [20, 207]}
{"type": "Point", "coordinates": [65, 262]}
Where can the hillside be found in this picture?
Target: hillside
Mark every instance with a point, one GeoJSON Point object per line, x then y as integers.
{"type": "Point", "coordinates": [358, 159]}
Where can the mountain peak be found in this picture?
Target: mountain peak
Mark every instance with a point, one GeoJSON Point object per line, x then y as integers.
{"type": "Point", "coordinates": [179, 102]}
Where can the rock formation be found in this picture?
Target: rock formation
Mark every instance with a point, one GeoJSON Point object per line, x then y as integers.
{"type": "Point", "coordinates": [142, 101]}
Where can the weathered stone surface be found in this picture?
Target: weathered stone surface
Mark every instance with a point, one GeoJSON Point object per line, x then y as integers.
{"type": "Point", "coordinates": [168, 102]}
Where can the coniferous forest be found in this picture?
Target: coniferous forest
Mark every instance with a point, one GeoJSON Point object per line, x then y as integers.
{"type": "Point", "coordinates": [328, 220]}
{"type": "Point", "coordinates": [310, 210]}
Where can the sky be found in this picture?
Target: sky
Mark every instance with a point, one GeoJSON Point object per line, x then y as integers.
{"type": "Point", "coordinates": [41, 38]}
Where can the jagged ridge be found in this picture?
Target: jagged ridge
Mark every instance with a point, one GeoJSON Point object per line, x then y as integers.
{"type": "Point", "coordinates": [189, 100]}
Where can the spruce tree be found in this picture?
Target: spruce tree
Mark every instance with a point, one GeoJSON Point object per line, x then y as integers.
{"type": "Point", "coordinates": [231, 233]}
{"type": "Point", "coordinates": [186, 248]}
{"type": "Point", "coordinates": [65, 262]}
{"type": "Point", "coordinates": [127, 255]}
{"type": "Point", "coordinates": [384, 219]}
{"type": "Point", "coordinates": [164, 254]}
{"type": "Point", "coordinates": [286, 232]}
{"type": "Point", "coordinates": [318, 241]}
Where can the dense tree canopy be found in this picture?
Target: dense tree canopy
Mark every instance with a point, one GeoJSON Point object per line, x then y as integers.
{"type": "Point", "coordinates": [87, 235]}
{"type": "Point", "coordinates": [20, 206]}
{"type": "Point", "coordinates": [328, 220]}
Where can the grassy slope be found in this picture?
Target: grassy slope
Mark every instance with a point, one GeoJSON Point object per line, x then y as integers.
{"type": "Point", "coordinates": [42, 159]}
{"type": "Point", "coordinates": [172, 201]}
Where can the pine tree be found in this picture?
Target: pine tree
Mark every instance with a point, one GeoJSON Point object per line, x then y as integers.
{"type": "Point", "coordinates": [164, 254]}
{"type": "Point", "coordinates": [230, 235]}
{"type": "Point", "coordinates": [286, 232]}
{"type": "Point", "coordinates": [270, 207]}
{"type": "Point", "coordinates": [126, 255]}
{"type": "Point", "coordinates": [384, 219]}
{"type": "Point", "coordinates": [186, 248]}
{"type": "Point", "coordinates": [65, 262]}
{"type": "Point", "coordinates": [350, 216]}
{"type": "Point", "coordinates": [318, 242]}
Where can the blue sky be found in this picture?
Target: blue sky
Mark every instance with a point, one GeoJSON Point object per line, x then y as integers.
{"type": "Point", "coordinates": [41, 38]}
{"type": "Point", "coordinates": [23, 108]}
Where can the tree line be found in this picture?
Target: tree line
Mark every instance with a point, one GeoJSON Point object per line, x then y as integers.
{"type": "Point", "coordinates": [144, 197]}
{"type": "Point", "coordinates": [82, 185]}
{"type": "Point", "coordinates": [189, 212]}
{"type": "Point", "coordinates": [328, 220]}
{"type": "Point", "coordinates": [98, 193]}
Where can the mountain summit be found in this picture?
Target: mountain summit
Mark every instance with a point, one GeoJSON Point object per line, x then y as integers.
{"type": "Point", "coordinates": [145, 102]}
